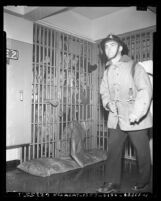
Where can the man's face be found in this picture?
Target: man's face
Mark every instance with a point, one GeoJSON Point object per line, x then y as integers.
{"type": "Point", "coordinates": [111, 48]}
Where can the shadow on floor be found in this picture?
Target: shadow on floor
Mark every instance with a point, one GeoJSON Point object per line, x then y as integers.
{"type": "Point", "coordinates": [85, 180]}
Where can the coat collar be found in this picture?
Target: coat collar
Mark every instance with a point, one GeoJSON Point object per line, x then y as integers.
{"type": "Point", "coordinates": [124, 58]}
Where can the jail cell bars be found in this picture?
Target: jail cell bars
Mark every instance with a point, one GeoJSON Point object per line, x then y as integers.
{"type": "Point", "coordinates": [102, 131]}
{"type": "Point", "coordinates": [140, 43]}
{"type": "Point", "coordinates": [61, 91]}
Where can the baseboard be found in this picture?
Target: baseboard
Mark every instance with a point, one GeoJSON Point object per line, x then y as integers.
{"type": "Point", "coordinates": [12, 164]}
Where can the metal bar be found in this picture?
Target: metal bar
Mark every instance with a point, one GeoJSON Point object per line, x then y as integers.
{"type": "Point", "coordinates": [29, 152]}
{"type": "Point", "coordinates": [148, 45]}
{"type": "Point", "coordinates": [71, 89]}
{"type": "Point", "coordinates": [103, 133]}
{"type": "Point", "coordinates": [63, 86]}
{"type": "Point", "coordinates": [65, 52]}
{"type": "Point", "coordinates": [130, 45]}
{"type": "Point", "coordinates": [151, 45]}
{"type": "Point", "coordinates": [39, 100]}
{"type": "Point", "coordinates": [47, 93]}
{"type": "Point", "coordinates": [134, 47]}
{"type": "Point", "coordinates": [90, 93]}
{"type": "Point", "coordinates": [99, 113]}
{"type": "Point", "coordinates": [33, 83]}
{"type": "Point", "coordinates": [144, 46]}
{"type": "Point", "coordinates": [83, 79]}
{"type": "Point", "coordinates": [34, 91]}
{"type": "Point", "coordinates": [67, 94]}
{"type": "Point", "coordinates": [43, 85]}
{"type": "Point", "coordinates": [54, 130]}
{"type": "Point", "coordinates": [21, 156]}
{"type": "Point", "coordinates": [139, 47]}
{"type": "Point", "coordinates": [130, 149]}
{"type": "Point", "coordinates": [86, 78]}
{"type": "Point", "coordinates": [50, 51]}
{"type": "Point", "coordinates": [74, 80]}
{"type": "Point", "coordinates": [92, 99]}
{"type": "Point", "coordinates": [59, 90]}
{"type": "Point", "coordinates": [79, 81]}
{"type": "Point", "coordinates": [24, 153]}
{"type": "Point", "coordinates": [36, 98]}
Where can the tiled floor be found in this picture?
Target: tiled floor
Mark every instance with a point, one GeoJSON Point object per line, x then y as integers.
{"type": "Point", "coordinates": [85, 180]}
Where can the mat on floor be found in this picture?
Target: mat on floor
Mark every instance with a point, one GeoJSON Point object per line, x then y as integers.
{"type": "Point", "coordinates": [79, 157]}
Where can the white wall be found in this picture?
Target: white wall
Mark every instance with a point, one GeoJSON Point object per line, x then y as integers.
{"type": "Point", "coordinates": [125, 20]}
{"type": "Point", "coordinates": [18, 28]}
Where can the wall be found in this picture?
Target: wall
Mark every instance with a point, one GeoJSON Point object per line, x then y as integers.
{"type": "Point", "coordinates": [19, 77]}
{"type": "Point", "coordinates": [18, 28]}
{"type": "Point", "coordinates": [19, 74]}
{"type": "Point", "coordinates": [125, 20]}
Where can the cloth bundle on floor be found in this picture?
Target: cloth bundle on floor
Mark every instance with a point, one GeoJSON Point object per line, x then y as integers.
{"type": "Point", "coordinates": [78, 152]}
{"type": "Point", "coordinates": [79, 157]}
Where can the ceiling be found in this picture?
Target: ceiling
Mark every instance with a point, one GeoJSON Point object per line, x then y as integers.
{"type": "Point", "coordinates": [83, 22]}
{"type": "Point", "coordinates": [38, 13]}
{"type": "Point", "coordinates": [96, 12]}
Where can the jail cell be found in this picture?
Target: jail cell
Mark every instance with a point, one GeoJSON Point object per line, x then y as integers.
{"type": "Point", "coordinates": [140, 43]}
{"type": "Point", "coordinates": [61, 91]}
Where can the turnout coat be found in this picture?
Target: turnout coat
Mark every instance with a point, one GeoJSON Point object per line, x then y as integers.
{"type": "Point", "coordinates": [130, 94]}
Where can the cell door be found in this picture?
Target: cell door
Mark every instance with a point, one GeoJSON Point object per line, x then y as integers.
{"type": "Point", "coordinates": [61, 91]}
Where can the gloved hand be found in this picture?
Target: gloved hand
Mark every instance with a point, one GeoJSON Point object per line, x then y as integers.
{"type": "Point", "coordinates": [112, 107]}
{"type": "Point", "coordinates": [133, 118]}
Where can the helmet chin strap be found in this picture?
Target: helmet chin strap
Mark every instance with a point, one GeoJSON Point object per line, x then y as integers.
{"type": "Point", "coordinates": [109, 59]}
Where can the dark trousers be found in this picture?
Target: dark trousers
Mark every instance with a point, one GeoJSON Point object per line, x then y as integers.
{"type": "Point", "coordinates": [140, 141]}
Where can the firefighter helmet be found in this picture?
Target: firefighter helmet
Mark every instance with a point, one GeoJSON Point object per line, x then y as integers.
{"type": "Point", "coordinates": [115, 38]}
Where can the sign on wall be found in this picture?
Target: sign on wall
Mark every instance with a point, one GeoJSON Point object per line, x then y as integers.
{"type": "Point", "coordinates": [12, 54]}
